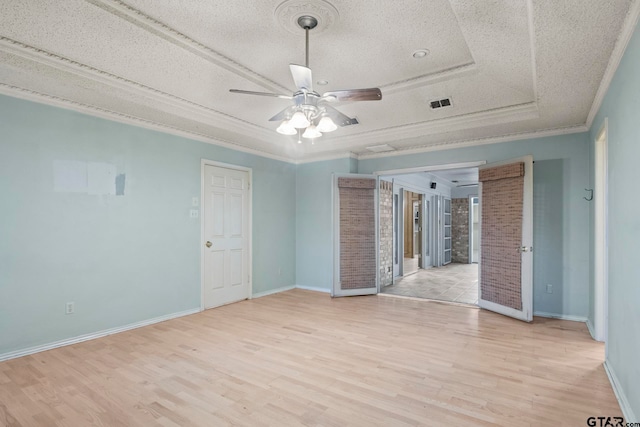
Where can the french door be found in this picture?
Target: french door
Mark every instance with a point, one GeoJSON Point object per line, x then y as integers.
{"type": "Point", "coordinates": [355, 225]}
{"type": "Point", "coordinates": [506, 244]}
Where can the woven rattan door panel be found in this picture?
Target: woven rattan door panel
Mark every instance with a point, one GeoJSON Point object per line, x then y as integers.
{"type": "Point", "coordinates": [355, 218]}
{"type": "Point", "coordinates": [503, 287]}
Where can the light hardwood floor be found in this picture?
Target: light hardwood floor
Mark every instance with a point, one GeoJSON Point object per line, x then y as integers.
{"type": "Point", "coordinates": [302, 358]}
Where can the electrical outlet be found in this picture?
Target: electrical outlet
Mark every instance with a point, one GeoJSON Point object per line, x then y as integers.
{"type": "Point", "coordinates": [69, 308]}
{"type": "Point", "coordinates": [549, 288]}
{"type": "Point", "coordinates": [195, 201]}
{"type": "Point", "coordinates": [194, 213]}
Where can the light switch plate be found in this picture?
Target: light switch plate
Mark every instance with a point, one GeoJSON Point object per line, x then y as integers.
{"type": "Point", "coordinates": [195, 201]}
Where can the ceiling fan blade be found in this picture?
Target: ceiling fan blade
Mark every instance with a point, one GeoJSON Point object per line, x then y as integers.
{"type": "Point", "coordinates": [370, 94]}
{"type": "Point", "coordinates": [467, 185]}
{"type": "Point", "coordinates": [339, 118]}
{"type": "Point", "coordinates": [248, 92]}
{"type": "Point", "coordinates": [282, 115]}
{"type": "Point", "coordinates": [302, 77]}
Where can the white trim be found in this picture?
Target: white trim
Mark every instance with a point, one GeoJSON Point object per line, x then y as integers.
{"type": "Point", "coordinates": [273, 291]}
{"type": "Point", "coordinates": [102, 113]}
{"type": "Point", "coordinates": [509, 114]}
{"type": "Point", "coordinates": [94, 111]}
{"type": "Point", "coordinates": [324, 157]}
{"type": "Point", "coordinates": [570, 317]}
{"type": "Point", "coordinates": [162, 101]}
{"type": "Point", "coordinates": [476, 142]}
{"type": "Point", "coordinates": [94, 335]}
{"type": "Point", "coordinates": [314, 289]}
{"type": "Point", "coordinates": [203, 163]}
{"type": "Point", "coordinates": [457, 72]}
{"type": "Point", "coordinates": [628, 28]}
{"type": "Point", "coordinates": [431, 168]}
{"type": "Point", "coordinates": [590, 328]}
{"type": "Point", "coordinates": [627, 412]}
{"type": "Point", "coordinates": [600, 232]}
{"type": "Point", "coordinates": [149, 24]}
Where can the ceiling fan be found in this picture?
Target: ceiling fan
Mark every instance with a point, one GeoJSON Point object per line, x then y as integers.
{"type": "Point", "coordinates": [310, 115]}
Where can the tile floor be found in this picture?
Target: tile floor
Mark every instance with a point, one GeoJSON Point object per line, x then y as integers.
{"type": "Point", "coordinates": [453, 282]}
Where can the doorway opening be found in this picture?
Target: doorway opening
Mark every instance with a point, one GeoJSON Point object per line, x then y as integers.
{"type": "Point", "coordinates": [430, 233]}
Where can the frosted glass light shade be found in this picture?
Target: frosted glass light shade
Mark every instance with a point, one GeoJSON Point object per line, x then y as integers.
{"type": "Point", "coordinates": [299, 120]}
{"type": "Point", "coordinates": [311, 132]}
{"type": "Point", "coordinates": [326, 125]}
{"type": "Point", "coordinates": [285, 128]}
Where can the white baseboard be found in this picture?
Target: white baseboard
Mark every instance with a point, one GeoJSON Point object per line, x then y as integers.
{"type": "Point", "coordinates": [94, 335]}
{"type": "Point", "coordinates": [591, 330]}
{"type": "Point", "coordinates": [273, 291]}
{"type": "Point", "coordinates": [560, 316]}
{"type": "Point", "coordinates": [314, 288]}
{"type": "Point", "coordinates": [627, 412]}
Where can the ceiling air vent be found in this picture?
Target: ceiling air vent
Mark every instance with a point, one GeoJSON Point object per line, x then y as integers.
{"type": "Point", "coordinates": [440, 103]}
{"type": "Point", "coordinates": [381, 148]}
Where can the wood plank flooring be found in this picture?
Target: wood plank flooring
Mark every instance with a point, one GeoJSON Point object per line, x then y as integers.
{"type": "Point", "coordinates": [300, 358]}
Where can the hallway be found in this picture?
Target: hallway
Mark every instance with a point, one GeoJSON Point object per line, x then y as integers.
{"type": "Point", "coordinates": [452, 282]}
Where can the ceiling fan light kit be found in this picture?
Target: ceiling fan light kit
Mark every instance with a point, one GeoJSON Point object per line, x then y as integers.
{"type": "Point", "coordinates": [310, 116]}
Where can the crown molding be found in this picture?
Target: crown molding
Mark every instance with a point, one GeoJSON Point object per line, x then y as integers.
{"type": "Point", "coordinates": [429, 79]}
{"type": "Point", "coordinates": [91, 110]}
{"type": "Point", "coordinates": [496, 116]}
{"type": "Point", "coordinates": [320, 157]}
{"type": "Point", "coordinates": [628, 28]}
{"type": "Point", "coordinates": [160, 100]}
{"type": "Point", "coordinates": [149, 24]}
{"type": "Point", "coordinates": [476, 142]}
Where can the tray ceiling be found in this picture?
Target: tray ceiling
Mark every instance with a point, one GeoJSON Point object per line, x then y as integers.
{"type": "Point", "coordinates": [510, 67]}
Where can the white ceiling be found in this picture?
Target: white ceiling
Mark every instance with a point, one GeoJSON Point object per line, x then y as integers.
{"type": "Point", "coordinates": [460, 176]}
{"type": "Point", "coordinates": [511, 67]}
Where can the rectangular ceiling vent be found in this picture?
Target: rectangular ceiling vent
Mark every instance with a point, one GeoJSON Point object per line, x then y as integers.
{"type": "Point", "coordinates": [440, 103]}
{"type": "Point", "coordinates": [381, 148]}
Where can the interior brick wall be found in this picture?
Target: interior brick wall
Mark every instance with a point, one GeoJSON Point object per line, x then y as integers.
{"type": "Point", "coordinates": [357, 233]}
{"type": "Point", "coordinates": [460, 230]}
{"type": "Point", "coordinates": [385, 196]}
{"type": "Point", "coordinates": [502, 194]}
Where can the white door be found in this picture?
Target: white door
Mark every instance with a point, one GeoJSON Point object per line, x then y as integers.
{"type": "Point", "coordinates": [355, 224]}
{"type": "Point", "coordinates": [226, 236]}
{"type": "Point", "coordinates": [506, 242]}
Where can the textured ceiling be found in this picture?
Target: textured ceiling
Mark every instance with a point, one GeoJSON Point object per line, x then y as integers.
{"type": "Point", "coordinates": [509, 66]}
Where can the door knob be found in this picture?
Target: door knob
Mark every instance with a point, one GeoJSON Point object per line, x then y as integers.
{"type": "Point", "coordinates": [208, 244]}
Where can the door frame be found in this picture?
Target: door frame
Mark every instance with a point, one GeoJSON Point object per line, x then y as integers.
{"type": "Point", "coordinates": [601, 237]}
{"type": "Point", "coordinates": [206, 162]}
{"type": "Point", "coordinates": [435, 215]}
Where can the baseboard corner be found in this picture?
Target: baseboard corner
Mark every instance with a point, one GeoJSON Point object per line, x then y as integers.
{"type": "Point", "coordinates": [314, 289]}
{"type": "Point", "coordinates": [273, 291]}
{"type": "Point", "coordinates": [558, 316]}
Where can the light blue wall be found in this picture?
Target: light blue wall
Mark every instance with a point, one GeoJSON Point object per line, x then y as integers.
{"type": "Point", "coordinates": [121, 259]}
{"type": "Point", "coordinates": [314, 244]}
{"type": "Point", "coordinates": [561, 216]}
{"type": "Point", "coordinates": [622, 107]}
